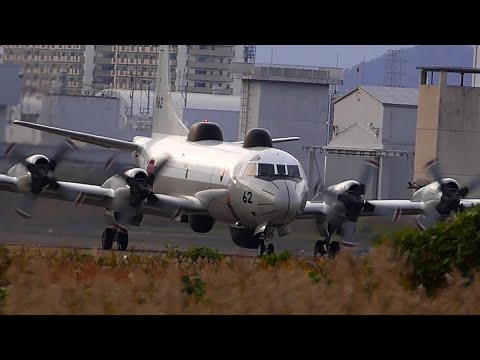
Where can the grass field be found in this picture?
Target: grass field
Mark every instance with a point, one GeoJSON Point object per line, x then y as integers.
{"type": "Point", "coordinates": [201, 281]}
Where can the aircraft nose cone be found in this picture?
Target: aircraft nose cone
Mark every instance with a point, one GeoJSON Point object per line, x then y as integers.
{"type": "Point", "coordinates": [287, 201]}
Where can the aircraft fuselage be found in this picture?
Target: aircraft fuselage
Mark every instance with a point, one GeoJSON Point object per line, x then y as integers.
{"type": "Point", "coordinates": [266, 192]}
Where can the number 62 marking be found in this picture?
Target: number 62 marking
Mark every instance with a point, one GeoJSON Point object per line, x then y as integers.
{"type": "Point", "coordinates": [247, 197]}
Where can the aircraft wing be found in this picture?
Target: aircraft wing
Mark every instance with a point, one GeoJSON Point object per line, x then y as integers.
{"type": "Point", "coordinates": [470, 202]}
{"type": "Point", "coordinates": [394, 208]}
{"type": "Point", "coordinates": [8, 183]}
{"type": "Point", "coordinates": [165, 205]}
{"type": "Point", "coordinates": [84, 137]}
{"type": "Point", "coordinates": [312, 209]}
{"type": "Point", "coordinates": [380, 208]}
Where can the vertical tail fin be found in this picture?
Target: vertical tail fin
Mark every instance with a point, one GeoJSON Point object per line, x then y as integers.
{"type": "Point", "coordinates": [165, 120]}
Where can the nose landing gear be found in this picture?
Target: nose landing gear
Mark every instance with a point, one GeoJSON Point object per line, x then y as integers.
{"type": "Point", "coordinates": [265, 245]}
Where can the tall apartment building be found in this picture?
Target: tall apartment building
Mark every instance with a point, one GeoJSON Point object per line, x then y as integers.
{"type": "Point", "coordinates": [77, 68]}
{"type": "Point", "coordinates": [49, 68]}
{"type": "Point", "coordinates": [206, 68]}
{"type": "Point", "coordinates": [124, 66]}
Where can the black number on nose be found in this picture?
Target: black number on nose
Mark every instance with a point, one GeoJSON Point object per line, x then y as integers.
{"type": "Point", "coordinates": [247, 197]}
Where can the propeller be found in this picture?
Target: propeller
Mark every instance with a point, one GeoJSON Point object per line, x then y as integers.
{"type": "Point", "coordinates": [350, 204]}
{"type": "Point", "coordinates": [41, 174]}
{"type": "Point", "coordinates": [140, 190]}
{"type": "Point", "coordinates": [452, 195]}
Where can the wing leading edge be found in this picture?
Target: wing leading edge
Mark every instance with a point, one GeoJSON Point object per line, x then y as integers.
{"type": "Point", "coordinates": [165, 205]}
{"type": "Point", "coordinates": [84, 137]}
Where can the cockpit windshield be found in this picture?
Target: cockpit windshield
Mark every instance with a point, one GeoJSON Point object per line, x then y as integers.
{"type": "Point", "coordinates": [272, 170]}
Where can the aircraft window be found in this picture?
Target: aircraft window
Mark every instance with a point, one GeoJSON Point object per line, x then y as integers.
{"type": "Point", "coordinates": [281, 169]}
{"type": "Point", "coordinates": [293, 170]}
{"type": "Point", "coordinates": [250, 170]}
{"type": "Point", "coordinates": [265, 169]}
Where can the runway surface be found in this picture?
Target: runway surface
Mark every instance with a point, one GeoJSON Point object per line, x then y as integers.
{"type": "Point", "coordinates": [59, 224]}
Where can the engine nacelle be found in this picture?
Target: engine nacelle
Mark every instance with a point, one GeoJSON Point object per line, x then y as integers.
{"type": "Point", "coordinates": [432, 191]}
{"type": "Point", "coordinates": [20, 170]}
{"type": "Point", "coordinates": [115, 182]}
{"type": "Point", "coordinates": [122, 191]}
{"type": "Point", "coordinates": [337, 189]}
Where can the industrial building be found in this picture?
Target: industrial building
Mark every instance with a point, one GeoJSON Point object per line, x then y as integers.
{"type": "Point", "coordinates": [287, 100]}
{"type": "Point", "coordinates": [447, 127]}
{"type": "Point", "coordinates": [371, 122]}
{"type": "Point", "coordinates": [136, 110]}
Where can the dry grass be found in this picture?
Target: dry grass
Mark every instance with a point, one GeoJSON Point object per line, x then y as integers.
{"type": "Point", "coordinates": [45, 281]}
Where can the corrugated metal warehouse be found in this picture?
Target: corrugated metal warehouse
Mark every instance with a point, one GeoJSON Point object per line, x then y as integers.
{"type": "Point", "coordinates": [374, 122]}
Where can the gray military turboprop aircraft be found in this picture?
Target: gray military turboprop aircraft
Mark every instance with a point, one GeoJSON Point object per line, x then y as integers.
{"type": "Point", "coordinates": [194, 175]}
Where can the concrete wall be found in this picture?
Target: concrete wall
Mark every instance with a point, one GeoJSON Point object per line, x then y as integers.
{"type": "Point", "coordinates": [427, 129]}
{"type": "Point", "coordinates": [9, 84]}
{"type": "Point", "coordinates": [459, 134]}
{"type": "Point", "coordinates": [448, 129]}
{"type": "Point", "coordinates": [399, 128]}
{"type": "Point", "coordinates": [290, 109]}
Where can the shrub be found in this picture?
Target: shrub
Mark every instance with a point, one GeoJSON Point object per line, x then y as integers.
{"type": "Point", "coordinates": [441, 249]}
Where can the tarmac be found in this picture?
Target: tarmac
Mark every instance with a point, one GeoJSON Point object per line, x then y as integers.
{"type": "Point", "coordinates": [56, 223]}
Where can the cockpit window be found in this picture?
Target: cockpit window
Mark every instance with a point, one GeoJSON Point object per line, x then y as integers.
{"type": "Point", "coordinates": [250, 170]}
{"type": "Point", "coordinates": [281, 169]}
{"type": "Point", "coordinates": [265, 169]}
{"type": "Point", "coordinates": [293, 170]}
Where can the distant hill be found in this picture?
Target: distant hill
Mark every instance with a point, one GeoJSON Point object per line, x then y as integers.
{"type": "Point", "coordinates": [372, 72]}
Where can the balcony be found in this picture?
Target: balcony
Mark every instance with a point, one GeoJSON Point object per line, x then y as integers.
{"type": "Point", "coordinates": [209, 52]}
{"type": "Point", "coordinates": [207, 77]}
{"type": "Point", "coordinates": [208, 65]}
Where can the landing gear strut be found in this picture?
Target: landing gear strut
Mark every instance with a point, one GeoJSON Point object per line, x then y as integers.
{"type": "Point", "coordinates": [110, 235]}
{"type": "Point", "coordinates": [265, 246]}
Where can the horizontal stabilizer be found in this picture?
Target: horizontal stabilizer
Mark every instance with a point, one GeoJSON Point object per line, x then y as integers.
{"type": "Point", "coordinates": [84, 137]}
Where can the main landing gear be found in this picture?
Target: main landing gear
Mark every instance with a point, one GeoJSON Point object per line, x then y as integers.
{"type": "Point", "coordinates": [110, 235]}
{"type": "Point", "coordinates": [265, 246]}
{"type": "Point", "coordinates": [324, 247]}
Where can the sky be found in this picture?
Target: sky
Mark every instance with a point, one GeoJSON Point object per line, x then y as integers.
{"type": "Point", "coordinates": [322, 55]}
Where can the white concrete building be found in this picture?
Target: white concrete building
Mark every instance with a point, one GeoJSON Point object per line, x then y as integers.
{"type": "Point", "coordinates": [374, 122]}
{"type": "Point", "coordinates": [206, 68]}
